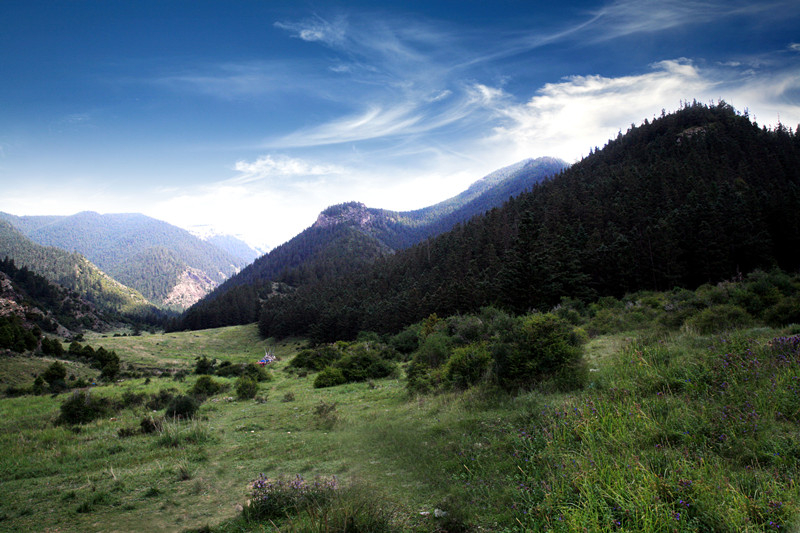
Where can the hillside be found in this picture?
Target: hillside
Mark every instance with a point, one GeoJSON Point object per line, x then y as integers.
{"type": "Point", "coordinates": [36, 302]}
{"type": "Point", "coordinates": [146, 254]}
{"type": "Point", "coordinates": [696, 196]}
{"type": "Point", "coordinates": [74, 272]}
{"type": "Point", "coordinates": [682, 421]}
{"type": "Point", "coordinates": [347, 237]}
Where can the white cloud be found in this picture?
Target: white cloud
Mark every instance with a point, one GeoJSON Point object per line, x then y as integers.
{"type": "Point", "coordinates": [569, 118]}
{"type": "Point", "coordinates": [269, 167]}
{"type": "Point", "coordinates": [626, 17]}
{"type": "Point", "coordinates": [794, 47]}
{"type": "Point", "coordinates": [318, 29]}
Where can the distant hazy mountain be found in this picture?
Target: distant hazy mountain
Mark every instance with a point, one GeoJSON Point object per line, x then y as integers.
{"type": "Point", "coordinates": [349, 236]}
{"type": "Point", "coordinates": [232, 244]}
{"type": "Point", "coordinates": [167, 264]}
{"type": "Point", "coordinates": [72, 271]}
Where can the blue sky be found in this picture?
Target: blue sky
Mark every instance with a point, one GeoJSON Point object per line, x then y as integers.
{"type": "Point", "coordinates": [253, 116]}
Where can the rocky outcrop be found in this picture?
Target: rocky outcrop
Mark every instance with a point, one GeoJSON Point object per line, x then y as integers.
{"type": "Point", "coordinates": [191, 287]}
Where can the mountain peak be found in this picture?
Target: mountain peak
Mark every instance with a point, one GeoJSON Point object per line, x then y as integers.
{"type": "Point", "coordinates": [354, 213]}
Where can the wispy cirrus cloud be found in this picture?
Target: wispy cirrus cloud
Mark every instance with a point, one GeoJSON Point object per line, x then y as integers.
{"type": "Point", "coordinates": [270, 167]}
{"type": "Point", "coordinates": [627, 17]}
{"type": "Point", "coordinates": [318, 29]}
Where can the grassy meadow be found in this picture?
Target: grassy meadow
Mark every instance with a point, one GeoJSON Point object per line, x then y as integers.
{"type": "Point", "coordinates": [674, 431]}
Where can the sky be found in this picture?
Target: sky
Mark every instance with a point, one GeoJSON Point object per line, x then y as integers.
{"type": "Point", "coordinates": [251, 117]}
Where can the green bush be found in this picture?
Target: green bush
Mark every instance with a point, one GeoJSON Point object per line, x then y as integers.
{"type": "Point", "coordinates": [256, 372]}
{"type": "Point", "coordinates": [182, 407]}
{"type": "Point", "coordinates": [407, 341]}
{"type": "Point", "coordinates": [362, 364]}
{"type": "Point", "coordinates": [205, 365]}
{"type": "Point", "coordinates": [329, 377]}
{"type": "Point", "coordinates": [206, 386]}
{"type": "Point", "coordinates": [81, 407]}
{"type": "Point", "coordinates": [719, 318]}
{"type": "Point", "coordinates": [465, 329]}
{"type": "Point", "coordinates": [317, 358]}
{"type": "Point", "coordinates": [786, 311]}
{"type": "Point", "coordinates": [544, 346]}
{"type": "Point", "coordinates": [435, 350]}
{"type": "Point", "coordinates": [246, 388]}
{"type": "Point", "coordinates": [468, 365]}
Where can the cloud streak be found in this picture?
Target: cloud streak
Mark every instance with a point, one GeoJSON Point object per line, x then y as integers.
{"type": "Point", "coordinates": [569, 118]}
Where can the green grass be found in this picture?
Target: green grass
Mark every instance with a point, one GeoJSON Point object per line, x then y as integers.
{"type": "Point", "coordinates": [665, 437]}
{"type": "Point", "coordinates": [237, 344]}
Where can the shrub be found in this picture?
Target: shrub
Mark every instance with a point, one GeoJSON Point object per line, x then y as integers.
{"type": "Point", "coordinates": [256, 372]}
{"type": "Point", "coordinates": [182, 407]}
{"type": "Point", "coordinates": [55, 373]}
{"type": "Point", "coordinates": [407, 341]}
{"type": "Point", "coordinates": [150, 425]}
{"type": "Point", "coordinates": [435, 350]}
{"type": "Point", "coordinates": [81, 407]}
{"type": "Point", "coordinates": [38, 385]}
{"type": "Point", "coordinates": [329, 377]}
{"type": "Point", "coordinates": [318, 358]}
{"type": "Point", "coordinates": [246, 388]}
{"type": "Point", "coordinates": [718, 318]}
{"type": "Point", "coordinates": [468, 365]}
{"type": "Point", "coordinates": [362, 364]}
{"type": "Point", "coordinates": [161, 399]}
{"type": "Point", "coordinates": [206, 386]}
{"type": "Point", "coordinates": [544, 346]}
{"type": "Point", "coordinates": [786, 311]}
{"type": "Point", "coordinates": [466, 329]}
{"type": "Point", "coordinates": [204, 365]}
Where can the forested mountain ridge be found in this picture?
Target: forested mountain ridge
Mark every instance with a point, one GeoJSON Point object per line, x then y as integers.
{"type": "Point", "coordinates": [74, 272]}
{"type": "Point", "coordinates": [33, 302]}
{"type": "Point", "coordinates": [697, 196]}
{"type": "Point", "coordinates": [347, 237]}
{"type": "Point", "coordinates": [146, 254]}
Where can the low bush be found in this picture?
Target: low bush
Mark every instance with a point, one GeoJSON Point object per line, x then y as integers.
{"type": "Point", "coordinates": [316, 359]}
{"type": "Point", "coordinates": [150, 425]}
{"type": "Point", "coordinates": [406, 342]}
{"type": "Point", "coordinates": [205, 366]}
{"type": "Point", "coordinates": [246, 388]}
{"type": "Point", "coordinates": [206, 386]}
{"type": "Point", "coordinates": [329, 377]}
{"type": "Point", "coordinates": [182, 407]}
{"type": "Point", "coordinates": [468, 365]}
{"type": "Point", "coordinates": [161, 399]}
{"type": "Point", "coordinates": [81, 407]}
{"type": "Point", "coordinates": [719, 318]}
{"type": "Point", "coordinates": [544, 346]}
{"type": "Point", "coordinates": [362, 364]}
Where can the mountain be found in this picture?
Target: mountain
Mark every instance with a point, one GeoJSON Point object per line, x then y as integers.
{"type": "Point", "coordinates": [347, 237]}
{"type": "Point", "coordinates": [167, 264]}
{"type": "Point", "coordinates": [74, 272]}
{"type": "Point", "coordinates": [697, 196]}
{"type": "Point", "coordinates": [35, 302]}
{"type": "Point", "coordinates": [235, 245]}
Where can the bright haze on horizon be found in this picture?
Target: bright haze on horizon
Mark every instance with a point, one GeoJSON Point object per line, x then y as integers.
{"type": "Point", "coordinates": [252, 117]}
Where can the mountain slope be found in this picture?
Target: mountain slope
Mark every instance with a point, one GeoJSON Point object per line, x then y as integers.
{"type": "Point", "coordinates": [73, 271]}
{"type": "Point", "coordinates": [697, 196]}
{"type": "Point", "coordinates": [37, 302]}
{"type": "Point", "coordinates": [347, 237]}
{"type": "Point", "coordinates": [141, 252]}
